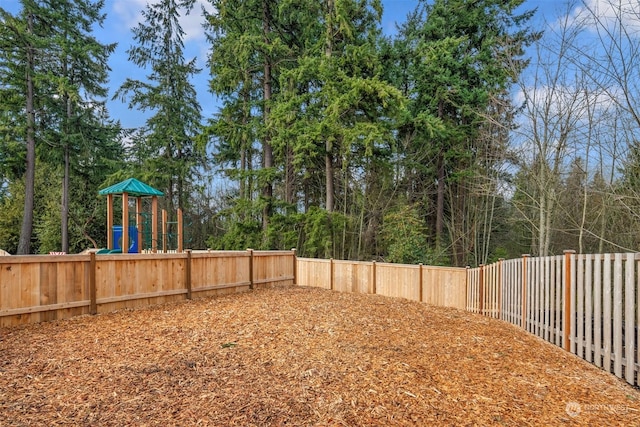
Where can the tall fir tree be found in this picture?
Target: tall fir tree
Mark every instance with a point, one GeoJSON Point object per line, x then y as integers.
{"type": "Point", "coordinates": [169, 137]}
{"type": "Point", "coordinates": [79, 62]}
{"type": "Point", "coordinates": [22, 39]}
{"type": "Point", "coordinates": [461, 57]}
{"type": "Point", "coordinates": [66, 70]}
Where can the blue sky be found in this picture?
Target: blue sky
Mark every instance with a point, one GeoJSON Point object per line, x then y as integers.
{"type": "Point", "coordinates": [123, 15]}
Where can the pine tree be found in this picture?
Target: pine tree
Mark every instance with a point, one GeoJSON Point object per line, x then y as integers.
{"type": "Point", "coordinates": [335, 111]}
{"type": "Point", "coordinates": [170, 134]}
{"type": "Point", "coordinates": [79, 62]}
{"type": "Point", "coordinates": [24, 39]}
{"type": "Point", "coordinates": [461, 57]}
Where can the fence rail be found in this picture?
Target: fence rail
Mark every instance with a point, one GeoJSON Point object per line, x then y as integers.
{"type": "Point", "coordinates": [587, 304]}
{"type": "Point", "coordinates": [38, 288]}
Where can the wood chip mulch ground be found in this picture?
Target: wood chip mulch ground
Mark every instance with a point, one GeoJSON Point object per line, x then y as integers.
{"type": "Point", "coordinates": [299, 356]}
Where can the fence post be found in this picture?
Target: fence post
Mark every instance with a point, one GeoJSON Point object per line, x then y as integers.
{"type": "Point", "coordinates": [93, 305]}
{"type": "Point", "coordinates": [295, 266]}
{"type": "Point", "coordinates": [523, 315]}
{"type": "Point", "coordinates": [180, 232]}
{"type": "Point", "coordinates": [331, 273]}
{"type": "Point", "coordinates": [421, 280]}
{"type": "Point", "coordinates": [467, 305]}
{"type": "Point", "coordinates": [373, 278]}
{"type": "Point", "coordinates": [481, 291]}
{"type": "Point", "coordinates": [250, 268]}
{"type": "Point", "coordinates": [500, 287]}
{"type": "Point", "coordinates": [187, 277]}
{"type": "Point", "coordinates": [164, 231]}
{"type": "Point", "coordinates": [567, 299]}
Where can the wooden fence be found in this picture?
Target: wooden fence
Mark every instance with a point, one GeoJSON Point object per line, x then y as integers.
{"type": "Point", "coordinates": [587, 304]}
{"type": "Point", "coordinates": [443, 286]}
{"type": "Point", "coordinates": [38, 288]}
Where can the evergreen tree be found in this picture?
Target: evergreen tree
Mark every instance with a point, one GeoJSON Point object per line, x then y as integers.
{"type": "Point", "coordinates": [67, 118]}
{"type": "Point", "coordinates": [461, 56]}
{"type": "Point", "coordinates": [335, 112]}
{"type": "Point", "coordinates": [169, 138]}
{"type": "Point", "coordinates": [22, 39]}
{"type": "Point", "coordinates": [79, 62]}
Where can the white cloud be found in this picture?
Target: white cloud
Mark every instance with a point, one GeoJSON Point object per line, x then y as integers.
{"type": "Point", "coordinates": [610, 14]}
{"type": "Point", "coordinates": [129, 12]}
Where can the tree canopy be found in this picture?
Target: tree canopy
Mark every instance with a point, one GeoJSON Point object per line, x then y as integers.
{"type": "Point", "coordinates": [473, 131]}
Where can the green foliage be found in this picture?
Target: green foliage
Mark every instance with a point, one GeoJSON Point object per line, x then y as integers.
{"type": "Point", "coordinates": [404, 236]}
{"type": "Point", "coordinates": [318, 233]}
{"type": "Point", "coordinates": [498, 254]}
{"type": "Point", "coordinates": [240, 236]}
{"type": "Point", "coordinates": [284, 231]}
{"type": "Point", "coordinates": [166, 149]}
{"type": "Point", "coordinates": [69, 131]}
{"type": "Point", "coordinates": [11, 216]}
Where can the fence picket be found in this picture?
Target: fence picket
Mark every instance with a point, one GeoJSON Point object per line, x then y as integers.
{"type": "Point", "coordinates": [606, 303]}
{"type": "Point", "coordinates": [617, 316]}
{"type": "Point", "coordinates": [547, 296]}
{"type": "Point", "coordinates": [597, 310]}
{"type": "Point", "coordinates": [558, 288]}
{"type": "Point", "coordinates": [571, 268]}
{"type": "Point", "coordinates": [588, 323]}
{"type": "Point", "coordinates": [580, 306]}
{"type": "Point", "coordinates": [629, 317]}
{"type": "Point", "coordinates": [536, 296]}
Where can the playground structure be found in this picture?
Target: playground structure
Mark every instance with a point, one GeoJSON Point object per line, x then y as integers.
{"type": "Point", "coordinates": [141, 234]}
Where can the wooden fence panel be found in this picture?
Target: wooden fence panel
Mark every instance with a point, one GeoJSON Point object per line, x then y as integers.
{"type": "Point", "coordinates": [592, 301]}
{"type": "Point", "coordinates": [350, 276]}
{"type": "Point", "coordinates": [512, 293]}
{"type": "Point", "coordinates": [444, 287]}
{"type": "Point", "coordinates": [38, 288]}
{"type": "Point", "coordinates": [314, 272]}
{"type": "Point", "coordinates": [273, 268]}
{"type": "Point", "coordinates": [491, 290]}
{"type": "Point", "coordinates": [137, 280]}
{"type": "Point", "coordinates": [473, 290]}
{"type": "Point", "coordinates": [398, 280]}
{"type": "Point", "coordinates": [220, 272]}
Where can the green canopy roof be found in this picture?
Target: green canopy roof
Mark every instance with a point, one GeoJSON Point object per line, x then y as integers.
{"type": "Point", "coordinates": [133, 187]}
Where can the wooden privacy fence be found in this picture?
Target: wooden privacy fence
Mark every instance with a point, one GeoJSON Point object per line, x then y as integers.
{"type": "Point", "coordinates": [587, 304]}
{"type": "Point", "coordinates": [443, 286]}
{"type": "Point", "coordinates": [38, 288]}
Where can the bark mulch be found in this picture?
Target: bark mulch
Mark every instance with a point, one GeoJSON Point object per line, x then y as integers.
{"type": "Point", "coordinates": [299, 356]}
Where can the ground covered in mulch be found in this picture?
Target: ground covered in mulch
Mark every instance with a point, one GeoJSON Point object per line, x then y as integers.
{"type": "Point", "coordinates": [299, 356]}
